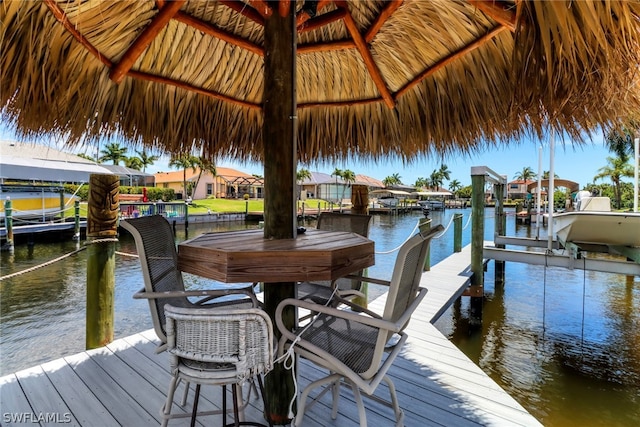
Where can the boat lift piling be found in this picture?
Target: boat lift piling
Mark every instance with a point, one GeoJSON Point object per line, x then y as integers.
{"type": "Point", "coordinates": [76, 225]}
{"type": "Point", "coordinates": [480, 175]}
{"type": "Point", "coordinates": [8, 222]}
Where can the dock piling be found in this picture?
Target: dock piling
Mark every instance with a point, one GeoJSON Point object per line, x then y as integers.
{"type": "Point", "coordinates": [457, 232]}
{"type": "Point", "coordinates": [76, 225]}
{"type": "Point", "coordinates": [102, 232]}
{"type": "Point", "coordinates": [8, 221]}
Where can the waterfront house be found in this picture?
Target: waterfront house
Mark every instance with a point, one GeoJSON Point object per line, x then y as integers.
{"type": "Point", "coordinates": [517, 189]}
{"type": "Point", "coordinates": [227, 183]}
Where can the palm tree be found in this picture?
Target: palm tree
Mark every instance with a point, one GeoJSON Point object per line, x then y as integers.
{"type": "Point", "coordinates": [349, 177]}
{"type": "Point", "coordinates": [620, 142]}
{"type": "Point", "coordinates": [113, 152]}
{"type": "Point", "coordinates": [392, 180]}
{"type": "Point", "coordinates": [146, 159]}
{"type": "Point", "coordinates": [617, 168]}
{"type": "Point", "coordinates": [205, 166]}
{"type": "Point", "coordinates": [454, 186]}
{"type": "Point", "coordinates": [301, 176]}
{"type": "Point", "coordinates": [338, 174]}
{"type": "Point", "coordinates": [133, 163]}
{"type": "Point", "coordinates": [436, 179]}
{"type": "Point", "coordinates": [420, 183]}
{"type": "Point", "coordinates": [445, 173]}
{"type": "Point", "coordinates": [183, 161]}
{"type": "Point", "coordinates": [526, 174]}
{"type": "Point", "coordinates": [86, 156]}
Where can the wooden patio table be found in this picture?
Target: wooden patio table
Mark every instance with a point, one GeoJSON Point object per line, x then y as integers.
{"type": "Point", "coordinates": [246, 256]}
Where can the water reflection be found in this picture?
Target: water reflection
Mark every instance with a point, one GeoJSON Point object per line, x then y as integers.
{"type": "Point", "coordinates": [564, 343]}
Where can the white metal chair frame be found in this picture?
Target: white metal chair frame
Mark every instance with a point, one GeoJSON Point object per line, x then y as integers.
{"type": "Point", "coordinates": [359, 345]}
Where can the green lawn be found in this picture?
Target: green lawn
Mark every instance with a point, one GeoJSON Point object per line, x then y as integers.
{"type": "Point", "coordinates": [234, 205]}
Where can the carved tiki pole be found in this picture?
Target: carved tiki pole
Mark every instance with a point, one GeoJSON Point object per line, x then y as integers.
{"type": "Point", "coordinates": [102, 232]}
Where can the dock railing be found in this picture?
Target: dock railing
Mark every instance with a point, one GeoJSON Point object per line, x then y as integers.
{"type": "Point", "coordinates": [176, 210]}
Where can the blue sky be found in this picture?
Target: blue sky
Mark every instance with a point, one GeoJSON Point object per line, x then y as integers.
{"type": "Point", "coordinates": [575, 162]}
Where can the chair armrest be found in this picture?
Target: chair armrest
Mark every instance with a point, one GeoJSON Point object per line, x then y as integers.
{"type": "Point", "coordinates": [208, 294]}
{"type": "Point", "coordinates": [367, 279]}
{"type": "Point", "coordinates": [319, 308]}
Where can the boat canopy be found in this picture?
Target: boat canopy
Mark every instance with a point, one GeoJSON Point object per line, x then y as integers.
{"type": "Point", "coordinates": [432, 193]}
{"type": "Point", "coordinates": [392, 192]}
{"type": "Point", "coordinates": [33, 162]}
{"type": "Point", "coordinates": [557, 182]}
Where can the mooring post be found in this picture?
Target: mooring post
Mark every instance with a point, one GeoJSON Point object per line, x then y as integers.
{"type": "Point", "coordinates": [476, 290]}
{"type": "Point", "coordinates": [457, 232]}
{"type": "Point", "coordinates": [62, 205]}
{"type": "Point", "coordinates": [477, 229]}
{"type": "Point", "coordinates": [102, 232]}
{"type": "Point", "coordinates": [500, 228]}
{"type": "Point", "coordinates": [76, 216]}
{"type": "Point", "coordinates": [186, 216]}
{"type": "Point", "coordinates": [8, 221]}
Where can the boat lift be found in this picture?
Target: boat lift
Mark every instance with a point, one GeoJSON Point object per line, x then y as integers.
{"type": "Point", "coordinates": [550, 253]}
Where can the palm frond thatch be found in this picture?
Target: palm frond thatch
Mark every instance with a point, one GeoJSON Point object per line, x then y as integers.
{"type": "Point", "coordinates": [433, 76]}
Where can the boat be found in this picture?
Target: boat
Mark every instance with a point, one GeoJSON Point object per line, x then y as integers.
{"type": "Point", "coordinates": [34, 202]}
{"type": "Point", "coordinates": [593, 222]}
{"type": "Point", "coordinates": [386, 198]}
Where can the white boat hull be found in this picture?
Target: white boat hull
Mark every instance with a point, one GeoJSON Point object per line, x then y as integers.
{"type": "Point", "coordinates": [605, 228]}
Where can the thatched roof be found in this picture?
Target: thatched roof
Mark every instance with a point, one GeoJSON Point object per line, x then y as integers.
{"type": "Point", "coordinates": [374, 77]}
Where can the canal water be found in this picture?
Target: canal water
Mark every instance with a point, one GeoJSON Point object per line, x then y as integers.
{"type": "Point", "coordinates": [564, 343]}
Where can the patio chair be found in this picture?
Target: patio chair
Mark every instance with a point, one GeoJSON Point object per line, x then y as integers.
{"type": "Point", "coordinates": [321, 292]}
{"type": "Point", "coordinates": [163, 282]}
{"type": "Point", "coordinates": [358, 345]}
{"type": "Point", "coordinates": [217, 347]}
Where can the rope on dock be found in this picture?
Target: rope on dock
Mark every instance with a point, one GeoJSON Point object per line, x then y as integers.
{"type": "Point", "coordinates": [445, 229]}
{"type": "Point", "coordinates": [468, 222]}
{"type": "Point", "coordinates": [397, 248]}
{"type": "Point", "coordinates": [127, 254]}
{"type": "Point", "coordinates": [28, 270]}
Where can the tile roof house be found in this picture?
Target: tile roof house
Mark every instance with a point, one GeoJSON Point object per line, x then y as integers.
{"type": "Point", "coordinates": [228, 183]}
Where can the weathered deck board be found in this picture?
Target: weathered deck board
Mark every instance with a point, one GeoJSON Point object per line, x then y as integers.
{"type": "Point", "coordinates": [125, 383]}
{"type": "Point", "coordinates": [446, 281]}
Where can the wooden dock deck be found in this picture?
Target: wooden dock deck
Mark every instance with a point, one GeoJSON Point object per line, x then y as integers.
{"type": "Point", "coordinates": [125, 382]}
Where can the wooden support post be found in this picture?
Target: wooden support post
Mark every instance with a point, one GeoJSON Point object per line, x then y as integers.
{"type": "Point", "coordinates": [62, 206]}
{"type": "Point", "coordinates": [457, 232]}
{"type": "Point", "coordinates": [477, 246]}
{"type": "Point", "coordinates": [280, 219]}
{"type": "Point", "coordinates": [76, 216]}
{"type": "Point", "coordinates": [186, 217]}
{"type": "Point", "coordinates": [477, 229]}
{"type": "Point", "coordinates": [500, 228]}
{"type": "Point", "coordinates": [8, 221]}
{"type": "Point", "coordinates": [102, 231]}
